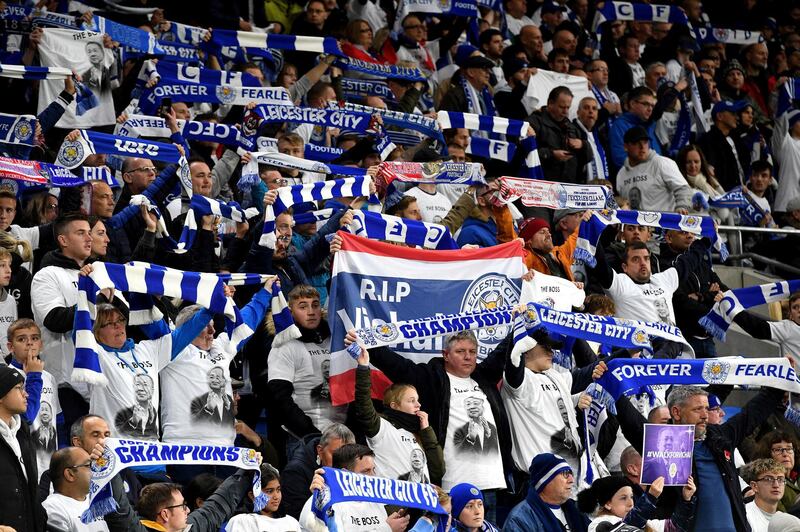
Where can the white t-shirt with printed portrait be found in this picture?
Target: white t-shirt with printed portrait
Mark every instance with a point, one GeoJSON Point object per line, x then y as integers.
{"type": "Point", "coordinates": [651, 301]}
{"type": "Point", "coordinates": [398, 454]}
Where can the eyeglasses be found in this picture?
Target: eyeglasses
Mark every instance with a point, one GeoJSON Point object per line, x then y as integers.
{"type": "Point", "coordinates": [147, 169]}
{"type": "Point", "coordinates": [281, 182]}
{"type": "Point", "coordinates": [783, 450]}
{"type": "Point", "coordinates": [87, 464]}
{"type": "Point", "coordinates": [181, 505]}
{"type": "Point", "coordinates": [120, 322]}
{"type": "Point", "coordinates": [772, 480]}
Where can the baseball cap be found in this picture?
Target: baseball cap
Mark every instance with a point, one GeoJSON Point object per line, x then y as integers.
{"type": "Point", "coordinates": [552, 7]}
{"type": "Point", "coordinates": [727, 105]}
{"type": "Point", "coordinates": [477, 61]}
{"type": "Point", "coordinates": [793, 205]}
{"type": "Point", "coordinates": [561, 213]}
{"type": "Point", "coordinates": [512, 66]}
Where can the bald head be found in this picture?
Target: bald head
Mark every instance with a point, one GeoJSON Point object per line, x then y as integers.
{"type": "Point", "coordinates": [102, 199]}
{"type": "Point", "coordinates": [138, 174]}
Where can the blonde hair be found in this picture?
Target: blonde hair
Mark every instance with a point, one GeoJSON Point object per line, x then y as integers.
{"type": "Point", "coordinates": [105, 313]}
{"type": "Point", "coordinates": [293, 139]}
{"type": "Point", "coordinates": [9, 243]}
{"type": "Point", "coordinates": [394, 394]}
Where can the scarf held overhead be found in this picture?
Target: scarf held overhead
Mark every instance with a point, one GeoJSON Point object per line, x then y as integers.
{"type": "Point", "coordinates": [552, 195]}
{"type": "Point", "coordinates": [381, 226]}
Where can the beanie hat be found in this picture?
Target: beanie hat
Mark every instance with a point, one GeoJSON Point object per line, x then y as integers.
{"type": "Point", "coordinates": [531, 226]}
{"type": "Point", "coordinates": [732, 65]}
{"type": "Point", "coordinates": [461, 494]}
{"type": "Point", "coordinates": [544, 468]}
{"type": "Point", "coordinates": [713, 401]}
{"type": "Point", "coordinates": [9, 377]}
{"type": "Point", "coordinates": [600, 492]}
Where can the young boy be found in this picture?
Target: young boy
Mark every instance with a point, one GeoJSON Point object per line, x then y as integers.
{"type": "Point", "coordinates": [757, 187]}
{"type": "Point", "coordinates": [25, 344]}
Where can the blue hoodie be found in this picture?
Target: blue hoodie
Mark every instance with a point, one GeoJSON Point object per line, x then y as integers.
{"type": "Point", "coordinates": [622, 124]}
{"type": "Point", "coordinates": [475, 231]}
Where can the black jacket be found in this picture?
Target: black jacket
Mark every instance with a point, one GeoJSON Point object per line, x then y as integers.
{"type": "Point", "coordinates": [552, 135]}
{"type": "Point", "coordinates": [721, 441]}
{"type": "Point", "coordinates": [19, 502]}
{"type": "Point", "coordinates": [509, 102]}
{"type": "Point", "coordinates": [722, 157]}
{"type": "Point", "coordinates": [296, 477]}
{"type": "Point", "coordinates": [431, 381]}
{"type": "Point", "coordinates": [696, 282]}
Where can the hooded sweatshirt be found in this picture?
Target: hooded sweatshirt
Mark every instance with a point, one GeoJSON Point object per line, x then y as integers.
{"type": "Point", "coordinates": [655, 184]}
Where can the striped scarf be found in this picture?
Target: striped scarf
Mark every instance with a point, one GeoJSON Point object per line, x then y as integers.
{"type": "Point", "coordinates": [486, 123]}
{"type": "Point", "coordinates": [201, 206]}
{"type": "Point", "coordinates": [323, 190]}
{"type": "Point", "coordinates": [378, 226]}
{"type": "Point", "coordinates": [735, 301]}
{"type": "Point", "coordinates": [205, 289]}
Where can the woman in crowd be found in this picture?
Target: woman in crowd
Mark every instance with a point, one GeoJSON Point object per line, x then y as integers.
{"type": "Point", "coordinates": [692, 164]}
{"type": "Point", "coordinates": [404, 443]}
{"type": "Point", "coordinates": [782, 447]}
{"type": "Point", "coordinates": [100, 238]}
{"type": "Point", "coordinates": [268, 519]}
{"type": "Point", "coordinates": [41, 208]}
{"type": "Point", "coordinates": [359, 41]}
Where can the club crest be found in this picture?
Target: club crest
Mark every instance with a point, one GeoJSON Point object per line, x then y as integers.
{"type": "Point", "coordinates": [715, 371]}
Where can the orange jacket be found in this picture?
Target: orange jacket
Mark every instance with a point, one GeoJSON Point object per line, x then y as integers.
{"type": "Point", "coordinates": [563, 254]}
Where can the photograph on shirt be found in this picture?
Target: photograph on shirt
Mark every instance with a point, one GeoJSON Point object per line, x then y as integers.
{"type": "Point", "coordinates": [478, 435]}
{"type": "Point", "coordinates": [635, 198]}
{"type": "Point", "coordinates": [662, 307]}
{"type": "Point", "coordinates": [141, 419]}
{"type": "Point", "coordinates": [667, 452]}
{"type": "Point", "coordinates": [419, 468]}
{"type": "Point", "coordinates": [563, 441]}
{"type": "Point", "coordinates": [215, 406]}
{"type": "Point", "coordinates": [44, 436]}
{"type": "Point", "coordinates": [323, 391]}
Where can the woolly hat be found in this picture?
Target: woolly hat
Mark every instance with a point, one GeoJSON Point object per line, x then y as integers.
{"type": "Point", "coordinates": [461, 494]}
{"type": "Point", "coordinates": [531, 226]}
{"type": "Point", "coordinates": [544, 468]}
{"type": "Point", "coordinates": [732, 65]}
{"type": "Point", "coordinates": [9, 377]}
{"type": "Point", "coordinates": [713, 401]}
{"type": "Point", "coordinates": [600, 492]}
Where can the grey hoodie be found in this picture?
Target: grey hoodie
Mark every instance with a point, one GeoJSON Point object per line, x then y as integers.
{"type": "Point", "coordinates": [655, 184]}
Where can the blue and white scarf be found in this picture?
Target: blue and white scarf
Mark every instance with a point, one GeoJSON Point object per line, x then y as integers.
{"type": "Point", "coordinates": [414, 122]}
{"type": "Point", "coordinates": [169, 51]}
{"type": "Point", "coordinates": [141, 40]}
{"type": "Point", "coordinates": [323, 190]}
{"type": "Point", "coordinates": [727, 36]}
{"type": "Point", "coordinates": [479, 122]}
{"type": "Point", "coordinates": [378, 226]}
{"type": "Point", "coordinates": [483, 107]}
{"type": "Point", "coordinates": [205, 289]}
{"type": "Point", "coordinates": [121, 454]}
{"type": "Point", "coordinates": [459, 8]}
{"type": "Point", "coordinates": [201, 206]}
{"type": "Point", "coordinates": [282, 160]}
{"type": "Point", "coordinates": [19, 19]}
{"type": "Point", "coordinates": [531, 164]}
{"type": "Point", "coordinates": [161, 227]}
{"type": "Point", "coordinates": [312, 217]}
{"type": "Point", "coordinates": [735, 301]}
{"type": "Point", "coordinates": [321, 153]}
{"type": "Point", "coordinates": [153, 126]}
{"type": "Point", "coordinates": [184, 33]}
{"type": "Point", "coordinates": [700, 122]}
{"type": "Point", "coordinates": [175, 73]}
{"type": "Point", "coordinates": [639, 12]}
{"type": "Point", "coordinates": [355, 88]}
{"type": "Point", "coordinates": [787, 94]}
{"type": "Point", "coordinates": [18, 129]}
{"type": "Point", "coordinates": [683, 128]}
{"type": "Point", "coordinates": [73, 153]}
{"type": "Point", "coordinates": [254, 42]}
{"type": "Point", "coordinates": [200, 92]}
{"type": "Point", "coordinates": [491, 149]}
{"type": "Point", "coordinates": [337, 118]}
{"type": "Point", "coordinates": [378, 70]}
{"type": "Point", "coordinates": [345, 486]}
{"type": "Point", "coordinates": [34, 72]}
{"type": "Point", "coordinates": [589, 232]}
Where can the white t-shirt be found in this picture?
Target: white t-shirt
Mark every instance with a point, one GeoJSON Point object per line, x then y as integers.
{"type": "Point", "coordinates": [73, 49]}
{"type": "Point", "coordinates": [758, 519]}
{"type": "Point", "coordinates": [648, 301]}
{"type": "Point", "coordinates": [516, 24]}
{"type": "Point", "coordinates": [262, 523]}
{"type": "Point", "coordinates": [787, 333]}
{"type": "Point", "coordinates": [398, 455]}
{"type": "Point", "coordinates": [197, 398]}
{"type": "Point", "coordinates": [432, 207]}
{"type": "Point", "coordinates": [540, 413]}
{"type": "Point", "coordinates": [64, 514]}
{"type": "Point", "coordinates": [130, 400]}
{"type": "Point", "coordinates": [350, 516]}
{"type": "Point", "coordinates": [544, 81]}
{"type": "Point", "coordinates": [307, 367]}
{"type": "Point", "coordinates": [554, 292]}
{"type": "Point", "coordinates": [472, 445]}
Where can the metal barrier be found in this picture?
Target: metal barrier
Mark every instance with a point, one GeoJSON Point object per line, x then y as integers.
{"type": "Point", "coordinates": [737, 252]}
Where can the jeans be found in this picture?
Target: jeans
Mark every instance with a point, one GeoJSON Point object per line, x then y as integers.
{"type": "Point", "coordinates": [703, 348]}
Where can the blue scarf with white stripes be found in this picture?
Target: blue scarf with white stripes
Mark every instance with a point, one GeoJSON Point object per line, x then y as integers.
{"type": "Point", "coordinates": [487, 123]}
{"type": "Point", "coordinates": [36, 173]}
{"type": "Point", "coordinates": [322, 190]}
{"type": "Point", "coordinates": [378, 70]}
{"type": "Point", "coordinates": [34, 72]}
{"type": "Point", "coordinates": [205, 289]}
{"type": "Point", "coordinates": [589, 232]}
{"type": "Point", "coordinates": [18, 129]}
{"type": "Point", "coordinates": [201, 206]}
{"type": "Point", "coordinates": [255, 43]}
{"type": "Point", "coordinates": [378, 226]}
{"type": "Point", "coordinates": [153, 126]}
{"type": "Point", "coordinates": [719, 319]}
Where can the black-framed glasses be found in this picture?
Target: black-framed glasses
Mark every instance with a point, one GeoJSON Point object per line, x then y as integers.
{"type": "Point", "coordinates": [181, 505]}
{"type": "Point", "coordinates": [147, 169]}
{"type": "Point", "coordinates": [772, 480]}
{"type": "Point", "coordinates": [782, 450]}
{"type": "Point", "coordinates": [87, 464]}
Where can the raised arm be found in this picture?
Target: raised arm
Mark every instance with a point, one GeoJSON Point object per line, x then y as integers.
{"type": "Point", "coordinates": [183, 335]}
{"type": "Point", "coordinates": [366, 415]}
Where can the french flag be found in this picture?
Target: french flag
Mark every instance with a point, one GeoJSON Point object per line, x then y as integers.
{"type": "Point", "coordinates": [375, 283]}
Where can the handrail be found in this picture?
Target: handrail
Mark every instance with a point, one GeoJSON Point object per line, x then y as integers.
{"type": "Point", "coordinates": [776, 230]}
{"type": "Point", "coordinates": [766, 260]}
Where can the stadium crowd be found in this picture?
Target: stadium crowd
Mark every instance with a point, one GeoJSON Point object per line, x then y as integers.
{"type": "Point", "coordinates": [688, 108]}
